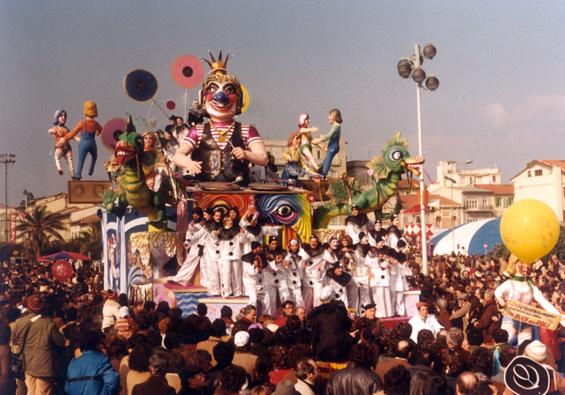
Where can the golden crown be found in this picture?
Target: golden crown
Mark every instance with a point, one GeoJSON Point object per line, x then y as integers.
{"type": "Point", "coordinates": [219, 65]}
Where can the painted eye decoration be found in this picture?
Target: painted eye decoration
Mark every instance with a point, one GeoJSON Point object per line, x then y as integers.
{"type": "Point", "coordinates": [396, 155]}
{"type": "Point", "coordinates": [279, 209]}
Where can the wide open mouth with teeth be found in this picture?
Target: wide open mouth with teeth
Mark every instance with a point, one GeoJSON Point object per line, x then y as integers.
{"type": "Point", "coordinates": [123, 152]}
{"type": "Point", "coordinates": [413, 164]}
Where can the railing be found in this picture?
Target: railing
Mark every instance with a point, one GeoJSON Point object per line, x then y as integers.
{"type": "Point", "coordinates": [480, 207]}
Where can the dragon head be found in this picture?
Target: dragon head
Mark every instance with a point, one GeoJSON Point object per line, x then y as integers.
{"type": "Point", "coordinates": [128, 145]}
{"type": "Point", "coordinates": [395, 158]}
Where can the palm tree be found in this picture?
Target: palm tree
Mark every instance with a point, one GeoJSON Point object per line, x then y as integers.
{"type": "Point", "coordinates": [38, 226]}
{"type": "Point", "coordinates": [90, 241]}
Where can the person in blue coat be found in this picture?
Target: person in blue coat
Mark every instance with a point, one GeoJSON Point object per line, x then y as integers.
{"type": "Point", "coordinates": [90, 372]}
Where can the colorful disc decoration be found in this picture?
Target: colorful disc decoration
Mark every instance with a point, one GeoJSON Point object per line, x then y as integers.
{"type": "Point", "coordinates": [171, 105]}
{"type": "Point", "coordinates": [62, 270]}
{"type": "Point", "coordinates": [246, 99]}
{"type": "Point", "coordinates": [187, 71]}
{"type": "Point", "coordinates": [109, 132]}
{"type": "Point", "coordinates": [141, 85]}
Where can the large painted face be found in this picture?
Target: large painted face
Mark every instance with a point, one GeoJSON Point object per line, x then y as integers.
{"type": "Point", "coordinates": [221, 100]}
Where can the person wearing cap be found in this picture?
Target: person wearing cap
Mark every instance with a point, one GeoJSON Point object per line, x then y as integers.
{"type": "Point", "coordinates": [41, 345]}
{"type": "Point", "coordinates": [314, 265]}
{"type": "Point", "coordinates": [330, 343]}
{"type": "Point", "coordinates": [253, 263]}
{"type": "Point", "coordinates": [538, 352]}
{"type": "Point", "coordinates": [379, 281]}
{"type": "Point", "coordinates": [242, 356]}
{"type": "Point", "coordinates": [293, 271]}
{"type": "Point", "coordinates": [423, 320]}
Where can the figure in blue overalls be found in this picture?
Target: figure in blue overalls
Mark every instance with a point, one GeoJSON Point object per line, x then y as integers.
{"type": "Point", "coordinates": [88, 129]}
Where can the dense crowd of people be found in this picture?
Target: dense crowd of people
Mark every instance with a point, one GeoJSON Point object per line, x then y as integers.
{"type": "Point", "coordinates": [76, 338]}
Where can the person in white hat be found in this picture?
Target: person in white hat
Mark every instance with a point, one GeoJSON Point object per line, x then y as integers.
{"type": "Point", "coordinates": [242, 356]}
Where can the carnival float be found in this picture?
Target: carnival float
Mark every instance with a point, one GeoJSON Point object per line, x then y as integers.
{"type": "Point", "coordinates": [203, 162]}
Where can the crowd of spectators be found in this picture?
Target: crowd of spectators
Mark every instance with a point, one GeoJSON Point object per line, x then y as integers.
{"type": "Point", "coordinates": [76, 338]}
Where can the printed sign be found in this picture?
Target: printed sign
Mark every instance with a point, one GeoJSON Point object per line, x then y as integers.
{"type": "Point", "coordinates": [531, 315]}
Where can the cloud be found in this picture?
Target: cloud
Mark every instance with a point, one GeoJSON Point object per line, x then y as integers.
{"type": "Point", "coordinates": [545, 107]}
{"type": "Point", "coordinates": [496, 114]}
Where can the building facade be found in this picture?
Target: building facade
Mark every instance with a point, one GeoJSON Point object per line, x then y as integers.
{"type": "Point", "coordinates": [544, 180]}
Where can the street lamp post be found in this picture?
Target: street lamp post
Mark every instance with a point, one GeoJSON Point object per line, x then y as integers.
{"type": "Point", "coordinates": [6, 159]}
{"type": "Point", "coordinates": [412, 67]}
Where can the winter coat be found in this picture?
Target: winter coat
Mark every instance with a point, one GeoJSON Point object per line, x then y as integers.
{"type": "Point", "coordinates": [43, 348]}
{"type": "Point", "coordinates": [330, 342]}
{"type": "Point", "coordinates": [91, 374]}
{"type": "Point", "coordinates": [354, 380]}
{"type": "Point", "coordinates": [486, 323]}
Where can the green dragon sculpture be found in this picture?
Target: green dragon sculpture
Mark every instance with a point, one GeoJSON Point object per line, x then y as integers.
{"type": "Point", "coordinates": [133, 169]}
{"type": "Point", "coordinates": [386, 171]}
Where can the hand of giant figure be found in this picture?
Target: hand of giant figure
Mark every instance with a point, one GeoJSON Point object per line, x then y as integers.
{"type": "Point", "coordinates": [221, 149]}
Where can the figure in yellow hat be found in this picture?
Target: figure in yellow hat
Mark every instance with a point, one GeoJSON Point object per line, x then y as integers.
{"type": "Point", "coordinates": [221, 149]}
{"type": "Point", "coordinates": [88, 129]}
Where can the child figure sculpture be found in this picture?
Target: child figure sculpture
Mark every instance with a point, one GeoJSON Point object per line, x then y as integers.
{"type": "Point", "coordinates": [62, 146]}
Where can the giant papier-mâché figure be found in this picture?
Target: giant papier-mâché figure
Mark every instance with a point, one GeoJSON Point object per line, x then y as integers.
{"type": "Point", "coordinates": [221, 149]}
{"type": "Point", "coordinates": [133, 168]}
{"type": "Point", "coordinates": [62, 146]}
{"type": "Point", "coordinates": [88, 129]}
{"type": "Point", "coordinates": [521, 288]}
{"type": "Point", "coordinates": [386, 171]}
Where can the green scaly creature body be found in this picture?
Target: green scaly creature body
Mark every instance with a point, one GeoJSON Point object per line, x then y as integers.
{"type": "Point", "coordinates": [387, 170]}
{"type": "Point", "coordinates": [126, 169]}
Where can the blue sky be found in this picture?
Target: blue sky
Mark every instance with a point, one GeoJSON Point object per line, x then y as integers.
{"type": "Point", "coordinates": [501, 99]}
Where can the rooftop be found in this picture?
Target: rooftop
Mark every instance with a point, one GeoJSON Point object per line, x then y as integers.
{"type": "Point", "coordinates": [498, 189]}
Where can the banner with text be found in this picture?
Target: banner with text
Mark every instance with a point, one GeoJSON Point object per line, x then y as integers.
{"type": "Point", "coordinates": [531, 315]}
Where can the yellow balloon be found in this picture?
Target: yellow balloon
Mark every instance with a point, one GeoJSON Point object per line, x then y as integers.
{"type": "Point", "coordinates": [529, 229]}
